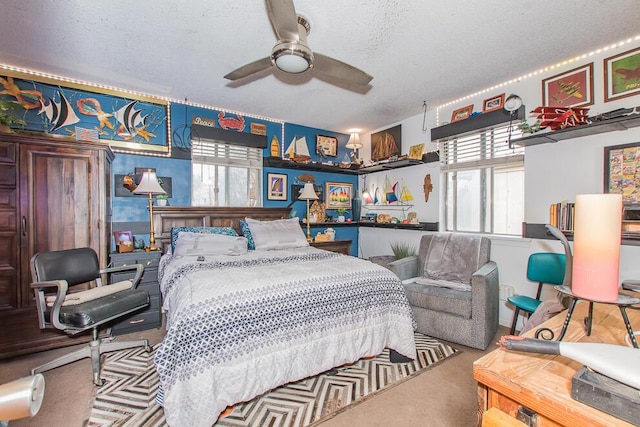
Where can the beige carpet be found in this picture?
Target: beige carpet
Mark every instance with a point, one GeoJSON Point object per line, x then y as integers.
{"type": "Point", "coordinates": [445, 396]}
{"type": "Point", "coordinates": [127, 399]}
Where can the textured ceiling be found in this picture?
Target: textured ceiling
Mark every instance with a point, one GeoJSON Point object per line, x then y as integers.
{"type": "Point", "coordinates": [416, 50]}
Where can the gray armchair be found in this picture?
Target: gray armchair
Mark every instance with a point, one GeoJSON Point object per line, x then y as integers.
{"type": "Point", "coordinates": [74, 312]}
{"type": "Point", "coordinates": [452, 286]}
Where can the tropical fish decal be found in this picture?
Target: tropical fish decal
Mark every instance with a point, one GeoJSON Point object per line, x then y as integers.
{"type": "Point", "coordinates": [59, 114]}
{"type": "Point", "coordinates": [92, 107]}
{"type": "Point", "coordinates": [132, 123]}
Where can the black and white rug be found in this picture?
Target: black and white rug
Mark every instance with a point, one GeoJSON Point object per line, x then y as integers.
{"type": "Point", "coordinates": [127, 398]}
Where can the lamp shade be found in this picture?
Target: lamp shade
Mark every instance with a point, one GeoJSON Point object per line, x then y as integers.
{"type": "Point", "coordinates": [149, 184]}
{"type": "Point", "coordinates": [596, 246]}
{"type": "Point", "coordinates": [308, 193]}
{"type": "Point", "coordinates": [354, 141]}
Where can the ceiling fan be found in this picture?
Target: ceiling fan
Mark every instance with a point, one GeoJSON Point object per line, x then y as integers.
{"type": "Point", "coordinates": [292, 54]}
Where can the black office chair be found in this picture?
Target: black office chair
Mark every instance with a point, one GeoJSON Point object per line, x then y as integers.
{"type": "Point", "coordinates": [74, 312]}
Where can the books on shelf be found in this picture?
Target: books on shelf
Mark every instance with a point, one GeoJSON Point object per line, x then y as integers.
{"type": "Point", "coordinates": [561, 215]}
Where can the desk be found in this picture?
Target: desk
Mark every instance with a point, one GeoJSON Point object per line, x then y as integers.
{"type": "Point", "coordinates": [542, 383]}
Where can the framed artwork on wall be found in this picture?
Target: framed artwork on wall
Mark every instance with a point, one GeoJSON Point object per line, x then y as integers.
{"type": "Point", "coordinates": [461, 113]}
{"type": "Point", "coordinates": [573, 88]}
{"type": "Point", "coordinates": [327, 145]}
{"type": "Point", "coordinates": [622, 172]}
{"type": "Point", "coordinates": [277, 186]}
{"type": "Point", "coordinates": [386, 143]}
{"type": "Point", "coordinates": [621, 77]}
{"type": "Point", "coordinates": [338, 195]}
{"type": "Point", "coordinates": [492, 104]}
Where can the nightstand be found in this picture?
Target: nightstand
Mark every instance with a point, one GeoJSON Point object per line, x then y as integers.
{"type": "Point", "coordinates": [341, 246]}
{"type": "Point", "coordinates": [150, 317]}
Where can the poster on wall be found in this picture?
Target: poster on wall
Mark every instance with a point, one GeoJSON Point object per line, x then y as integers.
{"type": "Point", "coordinates": [573, 88]}
{"type": "Point", "coordinates": [386, 143]}
{"type": "Point", "coordinates": [127, 122]}
{"type": "Point", "coordinates": [622, 172]}
{"type": "Point", "coordinates": [621, 75]}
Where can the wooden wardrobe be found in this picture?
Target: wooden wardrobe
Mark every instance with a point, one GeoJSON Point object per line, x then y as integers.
{"type": "Point", "coordinates": [55, 193]}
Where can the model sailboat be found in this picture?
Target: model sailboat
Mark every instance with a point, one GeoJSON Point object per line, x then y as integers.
{"type": "Point", "coordinates": [298, 150]}
{"type": "Point", "coordinates": [405, 194]}
{"type": "Point", "coordinates": [390, 191]}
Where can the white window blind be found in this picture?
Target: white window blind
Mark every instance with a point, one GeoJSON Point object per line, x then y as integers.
{"type": "Point", "coordinates": [216, 153]}
{"type": "Point", "coordinates": [483, 149]}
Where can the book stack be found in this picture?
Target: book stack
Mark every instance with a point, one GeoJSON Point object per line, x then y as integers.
{"type": "Point", "coordinates": [561, 215]}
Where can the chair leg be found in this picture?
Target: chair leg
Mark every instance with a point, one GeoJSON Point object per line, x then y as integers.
{"type": "Point", "coordinates": [515, 321]}
{"type": "Point", "coordinates": [93, 351]}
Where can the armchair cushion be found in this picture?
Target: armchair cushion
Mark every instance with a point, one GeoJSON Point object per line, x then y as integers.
{"type": "Point", "coordinates": [439, 299]}
{"type": "Point", "coordinates": [96, 311]}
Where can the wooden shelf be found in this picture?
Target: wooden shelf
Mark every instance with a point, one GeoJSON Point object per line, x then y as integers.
{"type": "Point", "coordinates": [423, 226]}
{"type": "Point", "coordinates": [277, 162]}
{"type": "Point", "coordinates": [610, 125]}
{"type": "Point", "coordinates": [539, 231]}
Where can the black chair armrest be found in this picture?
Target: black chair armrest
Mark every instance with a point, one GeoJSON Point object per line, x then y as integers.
{"type": "Point", "coordinates": [138, 267]}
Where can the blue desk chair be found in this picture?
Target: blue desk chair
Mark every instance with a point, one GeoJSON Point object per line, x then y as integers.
{"type": "Point", "coordinates": [546, 268]}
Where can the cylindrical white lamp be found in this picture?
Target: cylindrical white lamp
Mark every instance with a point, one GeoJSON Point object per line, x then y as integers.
{"type": "Point", "coordinates": [596, 246]}
{"type": "Point", "coordinates": [21, 398]}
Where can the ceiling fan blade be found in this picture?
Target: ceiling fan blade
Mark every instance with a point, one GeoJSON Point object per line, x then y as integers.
{"type": "Point", "coordinates": [340, 70]}
{"type": "Point", "coordinates": [283, 17]}
{"type": "Point", "coordinates": [250, 68]}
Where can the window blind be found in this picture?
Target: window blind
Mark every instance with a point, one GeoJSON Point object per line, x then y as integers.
{"type": "Point", "coordinates": [487, 148]}
{"type": "Point", "coordinates": [216, 153]}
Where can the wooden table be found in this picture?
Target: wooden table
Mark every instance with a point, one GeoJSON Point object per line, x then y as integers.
{"type": "Point", "coordinates": [509, 380]}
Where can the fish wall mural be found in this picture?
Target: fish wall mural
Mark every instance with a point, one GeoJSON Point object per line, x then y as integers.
{"type": "Point", "coordinates": [127, 124]}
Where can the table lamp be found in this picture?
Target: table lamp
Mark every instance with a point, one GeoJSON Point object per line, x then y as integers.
{"type": "Point", "coordinates": [354, 144]}
{"type": "Point", "coordinates": [149, 185]}
{"type": "Point", "coordinates": [308, 193]}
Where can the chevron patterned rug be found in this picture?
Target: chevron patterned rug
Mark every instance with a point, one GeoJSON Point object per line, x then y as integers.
{"type": "Point", "coordinates": [127, 399]}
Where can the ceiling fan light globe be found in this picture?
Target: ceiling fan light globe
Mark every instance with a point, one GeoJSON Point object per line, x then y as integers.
{"type": "Point", "coordinates": [292, 57]}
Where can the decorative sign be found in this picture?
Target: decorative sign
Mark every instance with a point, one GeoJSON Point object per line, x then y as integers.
{"type": "Point", "coordinates": [258, 128]}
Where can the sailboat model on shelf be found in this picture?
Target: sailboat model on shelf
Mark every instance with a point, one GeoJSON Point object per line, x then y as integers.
{"type": "Point", "coordinates": [390, 191]}
{"type": "Point", "coordinates": [298, 150]}
{"type": "Point", "coordinates": [405, 194]}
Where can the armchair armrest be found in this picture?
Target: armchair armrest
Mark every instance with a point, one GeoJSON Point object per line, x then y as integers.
{"type": "Point", "coordinates": [139, 268]}
{"type": "Point", "coordinates": [61, 291]}
{"type": "Point", "coordinates": [405, 268]}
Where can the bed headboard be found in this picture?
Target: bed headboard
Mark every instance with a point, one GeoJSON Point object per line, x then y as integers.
{"type": "Point", "coordinates": [180, 216]}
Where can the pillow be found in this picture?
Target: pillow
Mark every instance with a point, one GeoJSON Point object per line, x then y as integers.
{"type": "Point", "coordinates": [246, 232]}
{"type": "Point", "coordinates": [278, 234]}
{"type": "Point", "coordinates": [229, 231]}
{"type": "Point", "coordinates": [90, 294]}
{"type": "Point", "coordinates": [209, 244]}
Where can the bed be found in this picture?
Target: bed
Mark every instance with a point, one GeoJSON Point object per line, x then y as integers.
{"type": "Point", "coordinates": [240, 324]}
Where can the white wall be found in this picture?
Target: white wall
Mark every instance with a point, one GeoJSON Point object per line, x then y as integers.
{"type": "Point", "coordinates": [553, 172]}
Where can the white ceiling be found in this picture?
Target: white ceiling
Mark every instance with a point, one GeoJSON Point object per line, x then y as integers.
{"type": "Point", "coordinates": [416, 50]}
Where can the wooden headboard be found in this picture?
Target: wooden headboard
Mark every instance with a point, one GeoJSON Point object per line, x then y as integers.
{"type": "Point", "coordinates": [180, 216]}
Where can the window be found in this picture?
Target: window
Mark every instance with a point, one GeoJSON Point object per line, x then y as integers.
{"type": "Point", "coordinates": [484, 183]}
{"type": "Point", "coordinates": [225, 174]}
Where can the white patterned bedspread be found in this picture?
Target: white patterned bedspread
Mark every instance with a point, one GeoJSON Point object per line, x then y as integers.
{"type": "Point", "coordinates": [238, 326]}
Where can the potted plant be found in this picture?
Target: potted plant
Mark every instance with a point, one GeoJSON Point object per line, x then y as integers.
{"type": "Point", "coordinates": [400, 250]}
{"type": "Point", "coordinates": [7, 117]}
{"type": "Point", "coordinates": [161, 199]}
{"type": "Point", "coordinates": [341, 212]}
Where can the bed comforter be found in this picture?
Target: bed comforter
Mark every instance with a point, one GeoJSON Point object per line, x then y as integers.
{"type": "Point", "coordinates": [238, 326]}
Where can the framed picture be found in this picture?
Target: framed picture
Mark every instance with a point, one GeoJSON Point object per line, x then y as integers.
{"type": "Point", "coordinates": [386, 143]}
{"type": "Point", "coordinates": [338, 195]}
{"type": "Point", "coordinates": [277, 189]}
{"type": "Point", "coordinates": [573, 88]}
{"type": "Point", "coordinates": [136, 124]}
{"type": "Point", "coordinates": [492, 104]}
{"type": "Point", "coordinates": [622, 172]}
{"type": "Point", "coordinates": [122, 236]}
{"type": "Point", "coordinates": [415, 151]}
{"type": "Point", "coordinates": [461, 113]}
{"type": "Point", "coordinates": [621, 78]}
{"type": "Point", "coordinates": [328, 145]}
